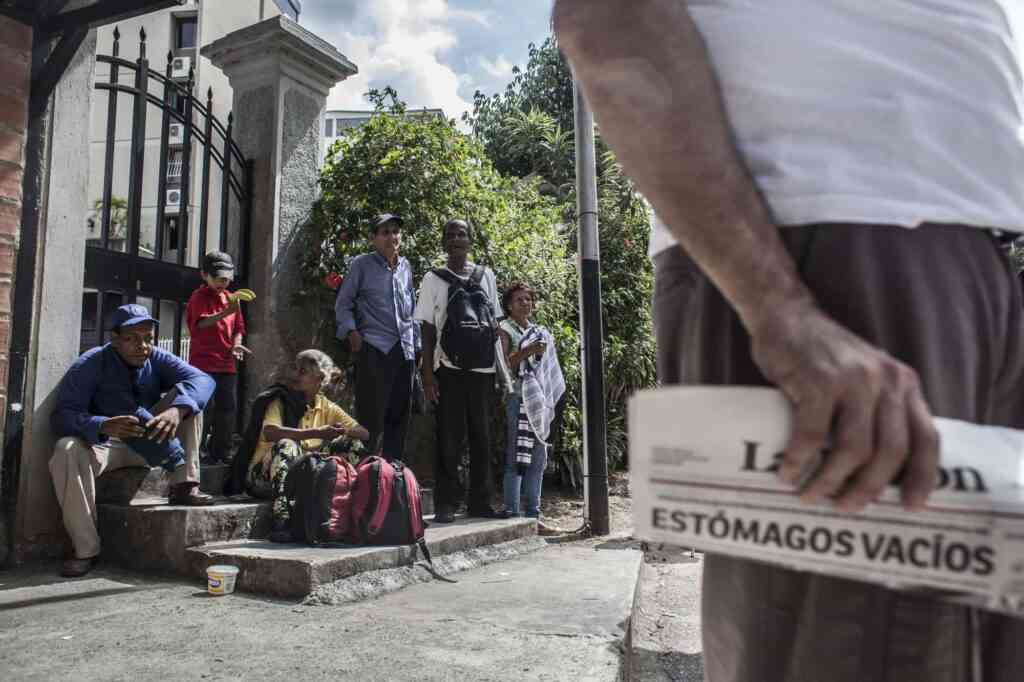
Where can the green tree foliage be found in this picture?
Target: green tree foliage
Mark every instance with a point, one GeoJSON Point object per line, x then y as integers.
{"type": "Point", "coordinates": [513, 179]}
{"type": "Point", "coordinates": [527, 132]}
{"type": "Point", "coordinates": [424, 169]}
{"type": "Point", "coordinates": [1017, 256]}
{"type": "Point", "coordinates": [118, 216]}
{"type": "Point", "coordinates": [545, 86]}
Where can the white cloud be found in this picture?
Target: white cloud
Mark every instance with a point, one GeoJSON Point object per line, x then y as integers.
{"type": "Point", "coordinates": [472, 16]}
{"type": "Point", "coordinates": [499, 67]}
{"type": "Point", "coordinates": [400, 43]}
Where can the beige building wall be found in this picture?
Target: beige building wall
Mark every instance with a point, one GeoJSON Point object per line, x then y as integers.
{"type": "Point", "coordinates": [215, 18]}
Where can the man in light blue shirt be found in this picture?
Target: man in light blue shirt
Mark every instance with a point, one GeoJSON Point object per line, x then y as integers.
{"type": "Point", "coordinates": [374, 312]}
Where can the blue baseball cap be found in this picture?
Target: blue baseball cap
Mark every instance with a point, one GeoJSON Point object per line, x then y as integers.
{"type": "Point", "coordinates": [130, 314]}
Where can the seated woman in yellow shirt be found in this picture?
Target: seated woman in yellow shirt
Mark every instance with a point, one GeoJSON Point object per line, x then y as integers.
{"type": "Point", "coordinates": [322, 423]}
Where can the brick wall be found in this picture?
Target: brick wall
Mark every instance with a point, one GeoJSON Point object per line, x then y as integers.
{"type": "Point", "coordinates": [16, 56]}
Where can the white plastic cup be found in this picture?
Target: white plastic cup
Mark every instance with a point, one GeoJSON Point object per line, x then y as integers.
{"type": "Point", "coordinates": [221, 579]}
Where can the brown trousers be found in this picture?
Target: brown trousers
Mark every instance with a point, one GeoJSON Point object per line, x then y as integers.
{"type": "Point", "coordinates": [942, 299]}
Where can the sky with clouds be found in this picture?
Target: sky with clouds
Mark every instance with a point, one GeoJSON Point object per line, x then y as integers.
{"type": "Point", "coordinates": [436, 53]}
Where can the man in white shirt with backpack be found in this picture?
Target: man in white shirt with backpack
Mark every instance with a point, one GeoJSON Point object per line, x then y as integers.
{"type": "Point", "coordinates": [457, 307]}
{"type": "Point", "coordinates": [833, 179]}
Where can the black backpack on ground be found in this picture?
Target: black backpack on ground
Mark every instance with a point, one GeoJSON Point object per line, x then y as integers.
{"type": "Point", "coordinates": [469, 332]}
{"type": "Point", "coordinates": [320, 492]}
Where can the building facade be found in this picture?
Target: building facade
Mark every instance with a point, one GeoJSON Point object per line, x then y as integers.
{"type": "Point", "coordinates": [337, 121]}
{"type": "Point", "coordinates": [172, 40]}
{"type": "Point", "coordinates": [280, 75]}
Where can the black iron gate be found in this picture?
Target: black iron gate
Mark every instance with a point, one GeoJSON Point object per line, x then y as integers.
{"type": "Point", "coordinates": [160, 268]}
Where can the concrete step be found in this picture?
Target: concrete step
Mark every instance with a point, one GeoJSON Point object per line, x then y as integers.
{"type": "Point", "coordinates": [287, 570]}
{"type": "Point", "coordinates": [212, 478]}
{"type": "Point", "coordinates": [155, 483]}
{"type": "Point", "coordinates": [665, 645]}
{"type": "Point", "coordinates": [121, 486]}
{"type": "Point", "coordinates": [150, 535]}
{"type": "Point", "coordinates": [427, 501]}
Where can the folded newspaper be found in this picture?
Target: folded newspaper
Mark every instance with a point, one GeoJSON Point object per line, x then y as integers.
{"type": "Point", "coordinates": [703, 463]}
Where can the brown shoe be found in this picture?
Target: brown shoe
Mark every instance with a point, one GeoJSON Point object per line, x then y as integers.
{"type": "Point", "coordinates": [76, 568]}
{"type": "Point", "coordinates": [188, 494]}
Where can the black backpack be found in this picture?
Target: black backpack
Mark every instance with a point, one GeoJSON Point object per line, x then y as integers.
{"type": "Point", "coordinates": [469, 332]}
{"type": "Point", "coordinates": [320, 491]}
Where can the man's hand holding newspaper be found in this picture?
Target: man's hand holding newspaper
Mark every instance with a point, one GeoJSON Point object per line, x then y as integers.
{"type": "Point", "coordinates": [704, 473]}
{"type": "Point", "coordinates": [832, 377]}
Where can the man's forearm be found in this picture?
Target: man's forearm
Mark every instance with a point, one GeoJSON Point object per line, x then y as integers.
{"type": "Point", "coordinates": [645, 71]}
{"type": "Point", "coordinates": [429, 335]}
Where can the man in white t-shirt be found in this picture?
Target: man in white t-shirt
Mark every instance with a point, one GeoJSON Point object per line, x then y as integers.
{"type": "Point", "coordinates": [463, 396]}
{"type": "Point", "coordinates": [835, 173]}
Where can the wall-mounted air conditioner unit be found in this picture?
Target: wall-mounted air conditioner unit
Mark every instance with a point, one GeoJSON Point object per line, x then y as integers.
{"type": "Point", "coordinates": [173, 199]}
{"type": "Point", "coordinates": [180, 67]}
{"type": "Point", "coordinates": [176, 133]}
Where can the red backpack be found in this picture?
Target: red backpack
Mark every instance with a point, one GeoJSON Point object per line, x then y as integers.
{"type": "Point", "coordinates": [386, 508]}
{"type": "Point", "coordinates": [376, 503]}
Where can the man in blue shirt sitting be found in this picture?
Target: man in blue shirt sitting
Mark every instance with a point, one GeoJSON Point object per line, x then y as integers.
{"type": "Point", "coordinates": [127, 403]}
{"type": "Point", "coordinates": [374, 312]}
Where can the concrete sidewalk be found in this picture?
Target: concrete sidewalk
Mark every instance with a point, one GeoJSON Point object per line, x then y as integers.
{"type": "Point", "coordinates": [561, 613]}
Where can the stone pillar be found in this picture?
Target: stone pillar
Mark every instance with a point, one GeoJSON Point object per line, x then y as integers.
{"type": "Point", "coordinates": [61, 194]}
{"type": "Point", "coordinates": [280, 74]}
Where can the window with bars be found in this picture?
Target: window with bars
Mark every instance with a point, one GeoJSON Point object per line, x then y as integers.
{"type": "Point", "coordinates": [174, 162]}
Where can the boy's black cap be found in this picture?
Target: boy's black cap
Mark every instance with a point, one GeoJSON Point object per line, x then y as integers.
{"type": "Point", "coordinates": [218, 264]}
{"type": "Point", "coordinates": [387, 217]}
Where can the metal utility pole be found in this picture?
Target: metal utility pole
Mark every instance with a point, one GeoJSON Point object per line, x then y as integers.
{"type": "Point", "coordinates": [595, 461]}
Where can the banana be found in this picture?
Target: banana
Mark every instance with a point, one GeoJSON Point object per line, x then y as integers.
{"type": "Point", "coordinates": [247, 295]}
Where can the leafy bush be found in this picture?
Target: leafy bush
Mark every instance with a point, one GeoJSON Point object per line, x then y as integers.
{"type": "Point", "coordinates": [1017, 256]}
{"type": "Point", "coordinates": [424, 169]}
{"type": "Point", "coordinates": [512, 178]}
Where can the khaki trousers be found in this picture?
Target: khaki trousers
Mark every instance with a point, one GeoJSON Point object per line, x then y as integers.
{"type": "Point", "coordinates": [945, 300]}
{"type": "Point", "coordinates": [75, 465]}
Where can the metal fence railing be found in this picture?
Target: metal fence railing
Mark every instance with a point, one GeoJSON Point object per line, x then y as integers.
{"type": "Point", "coordinates": [167, 344]}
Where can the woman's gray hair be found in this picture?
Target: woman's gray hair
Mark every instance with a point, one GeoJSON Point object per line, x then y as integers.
{"type": "Point", "coordinates": [321, 361]}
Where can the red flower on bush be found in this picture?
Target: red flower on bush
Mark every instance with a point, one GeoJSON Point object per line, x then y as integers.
{"type": "Point", "coordinates": [333, 280]}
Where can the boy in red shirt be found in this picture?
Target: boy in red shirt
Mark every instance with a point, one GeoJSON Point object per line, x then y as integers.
{"type": "Point", "coordinates": [217, 327]}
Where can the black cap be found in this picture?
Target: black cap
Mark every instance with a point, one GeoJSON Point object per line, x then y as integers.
{"type": "Point", "coordinates": [218, 264]}
{"type": "Point", "coordinates": [386, 218]}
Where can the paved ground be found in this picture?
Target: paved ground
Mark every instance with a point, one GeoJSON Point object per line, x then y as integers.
{"type": "Point", "coordinates": [555, 614]}
{"type": "Point", "coordinates": [512, 620]}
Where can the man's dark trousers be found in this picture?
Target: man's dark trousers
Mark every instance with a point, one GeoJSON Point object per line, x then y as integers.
{"type": "Point", "coordinates": [383, 394]}
{"type": "Point", "coordinates": [464, 405]}
{"type": "Point", "coordinates": [220, 414]}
